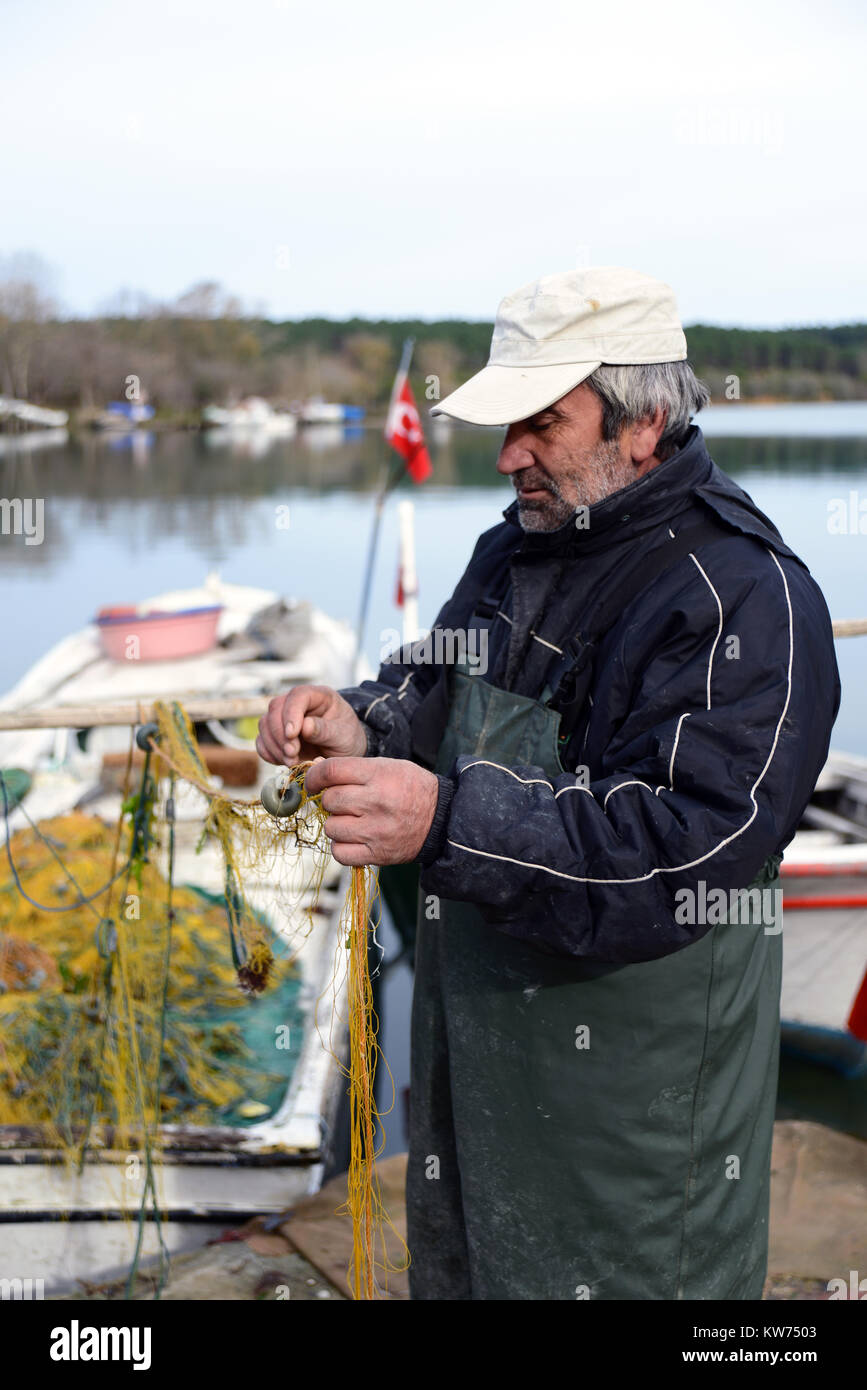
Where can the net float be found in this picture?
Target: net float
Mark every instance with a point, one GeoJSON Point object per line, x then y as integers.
{"type": "Point", "coordinates": [145, 734]}
{"type": "Point", "coordinates": [280, 798]}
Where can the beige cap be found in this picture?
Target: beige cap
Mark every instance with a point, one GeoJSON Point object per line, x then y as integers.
{"type": "Point", "coordinates": [551, 334]}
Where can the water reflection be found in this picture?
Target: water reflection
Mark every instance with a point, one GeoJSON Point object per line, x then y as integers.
{"type": "Point", "coordinates": [248, 446]}
{"type": "Point", "coordinates": [32, 441]}
{"type": "Point", "coordinates": [180, 464]}
{"type": "Point", "coordinates": [136, 443]}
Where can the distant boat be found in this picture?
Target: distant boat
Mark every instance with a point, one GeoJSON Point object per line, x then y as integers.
{"type": "Point", "coordinates": [253, 414]}
{"type": "Point", "coordinates": [120, 415]}
{"type": "Point", "coordinates": [824, 880]}
{"type": "Point", "coordinates": [317, 411]}
{"type": "Point", "coordinates": [27, 414]}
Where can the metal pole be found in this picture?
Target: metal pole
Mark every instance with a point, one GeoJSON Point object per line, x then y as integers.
{"type": "Point", "coordinates": [409, 578]}
{"type": "Point", "coordinates": [390, 480]}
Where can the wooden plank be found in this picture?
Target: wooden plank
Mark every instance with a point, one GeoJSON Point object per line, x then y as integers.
{"type": "Point", "coordinates": [182, 1142]}
{"type": "Point", "coordinates": [139, 712]}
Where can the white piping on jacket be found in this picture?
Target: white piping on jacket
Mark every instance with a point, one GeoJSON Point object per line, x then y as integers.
{"type": "Point", "coordinates": [375, 702]}
{"type": "Point", "coordinates": [719, 629]}
{"type": "Point", "coordinates": [674, 750]}
{"type": "Point", "coordinates": [400, 692]}
{"type": "Point", "coordinates": [536, 638]}
{"type": "Point", "coordinates": [634, 782]}
{"type": "Point", "coordinates": [528, 781]}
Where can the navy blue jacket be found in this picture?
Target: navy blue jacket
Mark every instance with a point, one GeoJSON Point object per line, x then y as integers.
{"type": "Point", "coordinates": [707, 723]}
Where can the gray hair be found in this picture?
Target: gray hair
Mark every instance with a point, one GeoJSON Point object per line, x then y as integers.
{"type": "Point", "coordinates": [632, 393]}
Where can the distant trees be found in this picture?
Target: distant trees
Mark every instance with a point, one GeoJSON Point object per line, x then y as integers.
{"type": "Point", "coordinates": [203, 347]}
{"type": "Point", "coordinates": [795, 363]}
{"type": "Point", "coordinates": [26, 305]}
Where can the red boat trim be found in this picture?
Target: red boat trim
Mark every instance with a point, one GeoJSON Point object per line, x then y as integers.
{"type": "Point", "coordinates": [825, 900]}
{"type": "Point", "coordinates": [156, 615]}
{"type": "Point", "coordinates": [823, 870]}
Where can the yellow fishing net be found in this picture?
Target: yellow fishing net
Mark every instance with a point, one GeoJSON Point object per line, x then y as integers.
{"type": "Point", "coordinates": [103, 1037]}
{"type": "Point", "coordinates": [81, 997]}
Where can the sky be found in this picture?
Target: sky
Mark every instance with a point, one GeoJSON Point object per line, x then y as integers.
{"type": "Point", "coordinates": [398, 160]}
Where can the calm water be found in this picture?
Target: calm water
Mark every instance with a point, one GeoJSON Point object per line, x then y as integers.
{"type": "Point", "coordinates": [125, 519]}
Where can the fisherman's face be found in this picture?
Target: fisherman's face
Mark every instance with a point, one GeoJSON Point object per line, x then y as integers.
{"type": "Point", "coordinates": [558, 461]}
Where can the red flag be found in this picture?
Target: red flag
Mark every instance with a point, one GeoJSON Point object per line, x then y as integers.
{"type": "Point", "coordinates": [404, 432]}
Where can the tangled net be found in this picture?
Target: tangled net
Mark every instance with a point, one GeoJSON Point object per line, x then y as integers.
{"type": "Point", "coordinates": [103, 974]}
{"type": "Point", "coordinates": [80, 996]}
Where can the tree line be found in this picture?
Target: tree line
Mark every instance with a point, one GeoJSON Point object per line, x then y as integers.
{"type": "Point", "coordinates": [203, 347]}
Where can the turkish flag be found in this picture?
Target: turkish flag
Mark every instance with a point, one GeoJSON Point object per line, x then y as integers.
{"type": "Point", "coordinates": [404, 432]}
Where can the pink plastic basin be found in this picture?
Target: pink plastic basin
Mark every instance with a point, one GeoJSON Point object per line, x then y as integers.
{"type": "Point", "coordinates": [129, 636]}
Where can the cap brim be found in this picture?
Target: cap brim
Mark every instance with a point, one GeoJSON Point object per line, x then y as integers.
{"type": "Point", "coordinates": [500, 395]}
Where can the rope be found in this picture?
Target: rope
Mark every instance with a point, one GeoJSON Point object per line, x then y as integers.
{"type": "Point", "coordinates": [82, 901]}
{"type": "Point", "coordinates": [150, 1185]}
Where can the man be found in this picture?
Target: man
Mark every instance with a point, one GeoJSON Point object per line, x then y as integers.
{"type": "Point", "coordinates": [624, 737]}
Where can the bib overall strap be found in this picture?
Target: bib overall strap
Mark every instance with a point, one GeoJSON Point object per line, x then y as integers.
{"type": "Point", "coordinates": [484, 613]}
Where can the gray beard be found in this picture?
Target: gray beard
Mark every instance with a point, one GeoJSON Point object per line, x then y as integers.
{"type": "Point", "coordinates": [602, 474]}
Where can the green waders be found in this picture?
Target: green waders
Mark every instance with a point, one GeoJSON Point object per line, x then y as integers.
{"type": "Point", "coordinates": [580, 1130]}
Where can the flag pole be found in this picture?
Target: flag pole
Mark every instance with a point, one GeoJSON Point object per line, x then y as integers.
{"type": "Point", "coordinates": [409, 579]}
{"type": "Point", "coordinates": [390, 478]}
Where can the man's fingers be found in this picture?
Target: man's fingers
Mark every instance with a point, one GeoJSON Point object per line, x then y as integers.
{"type": "Point", "coordinates": [303, 701]}
{"type": "Point", "coordinates": [336, 772]}
{"type": "Point", "coordinates": [342, 829]}
{"type": "Point", "coordinates": [354, 856]}
{"type": "Point", "coordinates": [267, 748]}
{"type": "Point", "coordinates": [316, 731]}
{"type": "Point", "coordinates": [343, 801]}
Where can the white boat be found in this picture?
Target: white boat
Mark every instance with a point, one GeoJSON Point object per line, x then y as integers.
{"type": "Point", "coordinates": [253, 415]}
{"type": "Point", "coordinates": [60, 1226]}
{"type": "Point", "coordinates": [824, 878]}
{"type": "Point", "coordinates": [317, 411]}
{"type": "Point", "coordinates": [124, 415]}
{"type": "Point", "coordinates": [27, 414]}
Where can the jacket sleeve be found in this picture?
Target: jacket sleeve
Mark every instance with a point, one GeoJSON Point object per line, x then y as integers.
{"type": "Point", "coordinates": [704, 778]}
{"type": "Point", "coordinates": [387, 705]}
{"type": "Point", "coordinates": [403, 709]}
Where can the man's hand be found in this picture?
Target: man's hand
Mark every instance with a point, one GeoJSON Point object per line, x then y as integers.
{"type": "Point", "coordinates": [379, 809]}
{"type": "Point", "coordinates": [312, 721]}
